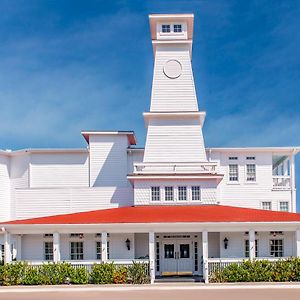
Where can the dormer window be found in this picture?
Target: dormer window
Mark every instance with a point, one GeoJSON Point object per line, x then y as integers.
{"type": "Point", "coordinates": [177, 28]}
{"type": "Point", "coordinates": [166, 28]}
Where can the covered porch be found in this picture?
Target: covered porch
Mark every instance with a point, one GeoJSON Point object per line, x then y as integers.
{"type": "Point", "coordinates": [170, 242]}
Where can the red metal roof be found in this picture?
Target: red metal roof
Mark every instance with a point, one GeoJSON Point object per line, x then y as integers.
{"type": "Point", "coordinates": [166, 214]}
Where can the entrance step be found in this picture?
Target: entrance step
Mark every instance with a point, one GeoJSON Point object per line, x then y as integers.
{"type": "Point", "coordinates": [161, 279]}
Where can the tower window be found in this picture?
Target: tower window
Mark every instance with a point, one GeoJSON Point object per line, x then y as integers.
{"type": "Point", "coordinates": [177, 28]}
{"type": "Point", "coordinates": [155, 193]}
{"type": "Point", "coordinates": [233, 173]}
{"type": "Point", "coordinates": [182, 193]}
{"type": "Point", "coordinates": [169, 195]}
{"type": "Point", "coordinates": [166, 28]}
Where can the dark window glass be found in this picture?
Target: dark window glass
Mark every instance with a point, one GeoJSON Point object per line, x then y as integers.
{"type": "Point", "coordinates": [184, 251]}
{"type": "Point", "coordinates": [169, 251]}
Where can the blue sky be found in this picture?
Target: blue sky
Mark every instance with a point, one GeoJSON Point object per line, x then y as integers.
{"type": "Point", "coordinates": [73, 65]}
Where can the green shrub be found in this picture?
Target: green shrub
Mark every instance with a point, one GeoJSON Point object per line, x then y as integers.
{"type": "Point", "coordinates": [138, 273]}
{"type": "Point", "coordinates": [79, 276]}
{"type": "Point", "coordinates": [13, 274]}
{"type": "Point", "coordinates": [103, 273]}
{"type": "Point", "coordinates": [32, 277]}
{"type": "Point", "coordinates": [120, 275]}
{"type": "Point", "coordinates": [259, 271]}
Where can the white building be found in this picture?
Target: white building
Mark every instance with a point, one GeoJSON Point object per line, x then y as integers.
{"type": "Point", "coordinates": [182, 207]}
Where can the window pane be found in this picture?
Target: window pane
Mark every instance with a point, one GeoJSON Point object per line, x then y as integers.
{"type": "Point", "coordinates": [276, 248]}
{"type": "Point", "coordinates": [266, 205]}
{"type": "Point", "coordinates": [233, 173]}
{"type": "Point", "coordinates": [155, 193]}
{"type": "Point", "coordinates": [166, 28]}
{"type": "Point", "coordinates": [251, 172]}
{"type": "Point", "coordinates": [177, 28]}
{"type": "Point", "coordinates": [184, 251]}
{"type": "Point", "coordinates": [169, 193]}
{"type": "Point", "coordinates": [284, 206]}
{"type": "Point", "coordinates": [76, 250]}
{"type": "Point", "coordinates": [48, 250]}
{"type": "Point", "coordinates": [98, 250]}
{"type": "Point", "coordinates": [182, 193]}
{"type": "Point", "coordinates": [196, 193]}
{"type": "Point", "coordinates": [169, 250]}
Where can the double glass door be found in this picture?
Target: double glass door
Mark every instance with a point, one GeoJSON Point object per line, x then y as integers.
{"type": "Point", "coordinates": [177, 257]}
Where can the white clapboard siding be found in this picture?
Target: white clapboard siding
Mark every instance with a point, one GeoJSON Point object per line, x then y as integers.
{"type": "Point", "coordinates": [172, 140]}
{"type": "Point", "coordinates": [5, 202]}
{"type": "Point", "coordinates": [50, 201]}
{"type": "Point", "coordinates": [245, 194]}
{"type": "Point", "coordinates": [59, 170]}
{"type": "Point", "coordinates": [132, 158]}
{"type": "Point", "coordinates": [142, 191]}
{"type": "Point", "coordinates": [236, 244]}
{"type": "Point", "coordinates": [108, 160]}
{"type": "Point", "coordinates": [173, 94]}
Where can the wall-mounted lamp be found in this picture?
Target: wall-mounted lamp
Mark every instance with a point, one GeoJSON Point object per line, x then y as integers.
{"type": "Point", "coordinates": [127, 242]}
{"type": "Point", "coordinates": [225, 242]}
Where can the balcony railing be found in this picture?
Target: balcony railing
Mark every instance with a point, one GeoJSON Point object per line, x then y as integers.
{"type": "Point", "coordinates": [281, 182]}
{"type": "Point", "coordinates": [175, 168]}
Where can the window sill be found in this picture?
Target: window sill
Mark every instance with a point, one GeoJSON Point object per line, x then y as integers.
{"type": "Point", "coordinates": [233, 183]}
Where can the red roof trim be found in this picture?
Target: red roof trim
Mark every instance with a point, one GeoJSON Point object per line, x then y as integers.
{"type": "Point", "coordinates": [165, 214]}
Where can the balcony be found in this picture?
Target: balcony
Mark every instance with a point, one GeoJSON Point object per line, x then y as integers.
{"type": "Point", "coordinates": [281, 183]}
{"type": "Point", "coordinates": [175, 168]}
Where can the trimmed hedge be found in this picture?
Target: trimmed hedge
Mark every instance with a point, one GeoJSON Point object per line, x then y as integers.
{"type": "Point", "coordinates": [259, 271]}
{"type": "Point", "coordinates": [21, 273]}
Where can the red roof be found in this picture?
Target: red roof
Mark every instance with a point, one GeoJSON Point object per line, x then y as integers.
{"type": "Point", "coordinates": [166, 214]}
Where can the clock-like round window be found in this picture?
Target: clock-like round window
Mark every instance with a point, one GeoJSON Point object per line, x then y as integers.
{"type": "Point", "coordinates": [173, 68]}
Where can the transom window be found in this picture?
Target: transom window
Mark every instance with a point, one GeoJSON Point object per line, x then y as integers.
{"type": "Point", "coordinates": [266, 205]}
{"type": "Point", "coordinates": [250, 157]}
{"type": "Point", "coordinates": [233, 158]}
{"type": "Point", "coordinates": [76, 250]}
{"type": "Point", "coordinates": [98, 250]}
{"type": "Point", "coordinates": [169, 193]}
{"type": "Point", "coordinates": [233, 172]}
{"type": "Point", "coordinates": [77, 235]}
{"type": "Point", "coordinates": [155, 193]}
{"type": "Point", "coordinates": [247, 250]}
{"type": "Point", "coordinates": [177, 28]}
{"type": "Point", "coordinates": [48, 250]}
{"type": "Point", "coordinates": [182, 193]}
{"type": "Point", "coordinates": [166, 28]}
{"type": "Point", "coordinates": [284, 206]}
{"type": "Point", "coordinates": [276, 247]}
{"type": "Point", "coordinates": [195, 193]}
{"type": "Point", "coordinates": [251, 172]}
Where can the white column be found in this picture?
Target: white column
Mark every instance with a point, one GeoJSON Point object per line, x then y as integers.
{"type": "Point", "coordinates": [205, 255]}
{"type": "Point", "coordinates": [104, 246]}
{"type": "Point", "coordinates": [56, 247]}
{"type": "Point", "coordinates": [7, 248]}
{"type": "Point", "coordinates": [251, 244]}
{"type": "Point", "coordinates": [297, 236]}
{"type": "Point", "coordinates": [19, 247]}
{"type": "Point", "coordinates": [152, 256]}
{"type": "Point", "coordinates": [292, 183]}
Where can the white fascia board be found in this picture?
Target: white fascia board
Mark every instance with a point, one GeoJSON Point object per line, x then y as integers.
{"type": "Point", "coordinates": [294, 150]}
{"type": "Point", "coordinates": [176, 176]}
{"type": "Point", "coordinates": [130, 134]}
{"type": "Point", "coordinates": [156, 227]}
{"type": "Point", "coordinates": [46, 150]}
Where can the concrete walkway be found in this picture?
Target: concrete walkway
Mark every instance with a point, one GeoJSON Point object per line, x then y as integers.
{"type": "Point", "coordinates": [272, 291]}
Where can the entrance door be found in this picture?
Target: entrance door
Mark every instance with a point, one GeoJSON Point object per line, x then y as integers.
{"type": "Point", "coordinates": [177, 257]}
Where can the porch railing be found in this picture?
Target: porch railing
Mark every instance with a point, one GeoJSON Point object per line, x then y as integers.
{"type": "Point", "coordinates": [175, 168]}
{"type": "Point", "coordinates": [89, 264]}
{"type": "Point", "coordinates": [281, 182]}
{"type": "Point", "coordinates": [218, 264]}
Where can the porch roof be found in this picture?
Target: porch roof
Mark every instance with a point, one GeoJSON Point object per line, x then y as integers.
{"type": "Point", "coordinates": [164, 214]}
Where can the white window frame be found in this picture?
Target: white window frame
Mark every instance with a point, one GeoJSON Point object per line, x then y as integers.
{"type": "Point", "coordinates": [197, 193]}
{"type": "Point", "coordinates": [247, 248]}
{"type": "Point", "coordinates": [171, 188]}
{"type": "Point", "coordinates": [1, 252]}
{"type": "Point", "coordinates": [48, 250]}
{"type": "Point", "coordinates": [282, 203]}
{"type": "Point", "coordinates": [166, 24]}
{"type": "Point", "coordinates": [230, 181]}
{"type": "Point", "coordinates": [154, 195]}
{"type": "Point", "coordinates": [98, 250]}
{"type": "Point", "coordinates": [184, 188]}
{"type": "Point", "coordinates": [264, 202]}
{"type": "Point", "coordinates": [250, 175]}
{"type": "Point", "coordinates": [78, 255]}
{"type": "Point", "coordinates": [175, 30]}
{"type": "Point", "coordinates": [276, 250]}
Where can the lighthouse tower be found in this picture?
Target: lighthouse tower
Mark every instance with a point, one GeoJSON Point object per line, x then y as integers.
{"type": "Point", "coordinates": [174, 152]}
